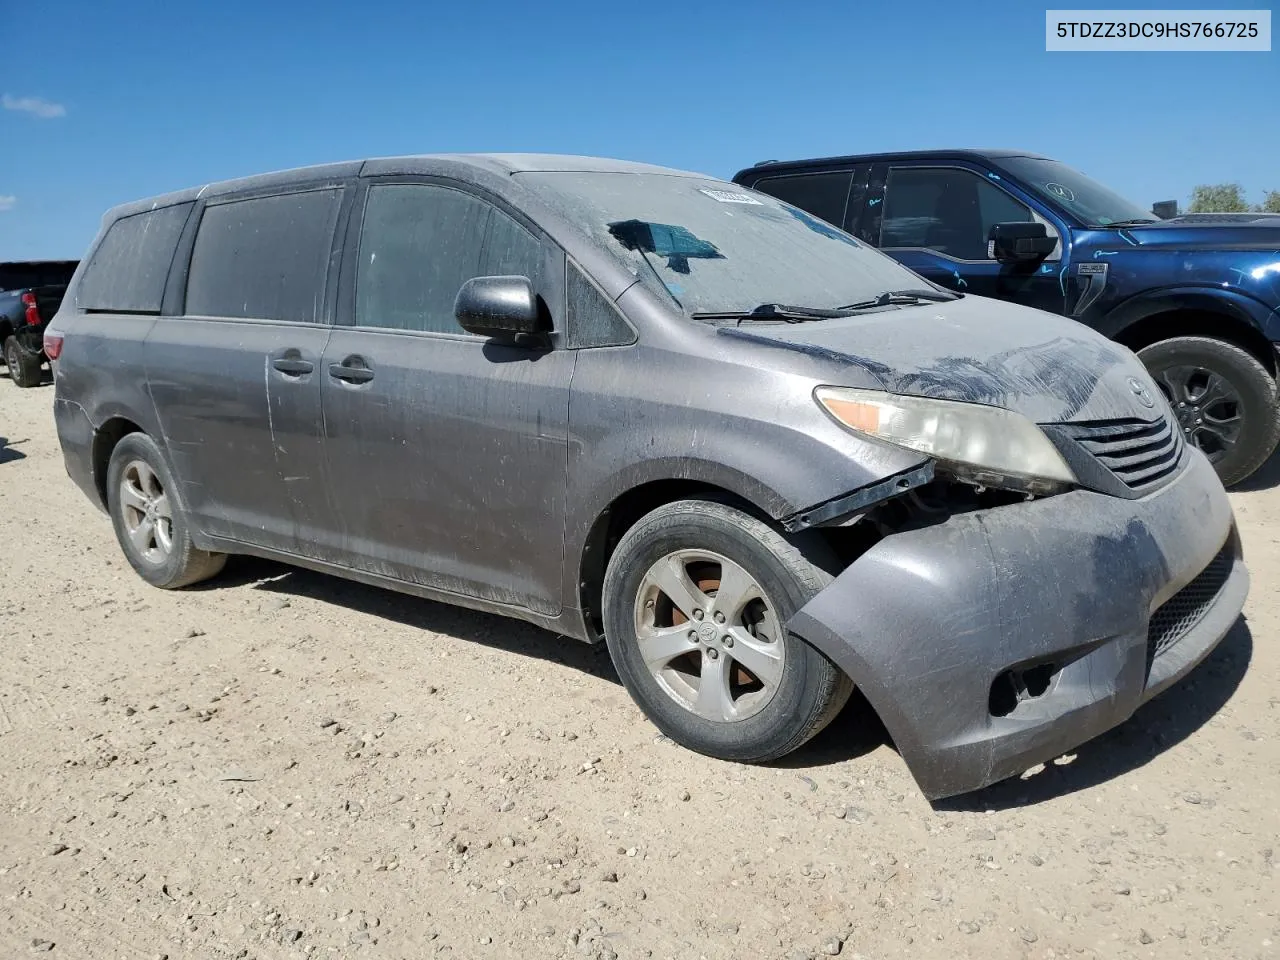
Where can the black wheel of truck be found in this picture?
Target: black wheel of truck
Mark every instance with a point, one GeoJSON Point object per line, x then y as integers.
{"type": "Point", "coordinates": [696, 597]}
{"type": "Point", "coordinates": [24, 369]}
{"type": "Point", "coordinates": [150, 520]}
{"type": "Point", "coordinates": [1223, 398]}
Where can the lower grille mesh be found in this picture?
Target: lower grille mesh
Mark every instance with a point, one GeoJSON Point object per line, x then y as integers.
{"type": "Point", "coordinates": [1175, 618]}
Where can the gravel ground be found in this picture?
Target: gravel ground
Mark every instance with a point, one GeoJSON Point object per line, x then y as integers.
{"type": "Point", "coordinates": [282, 764]}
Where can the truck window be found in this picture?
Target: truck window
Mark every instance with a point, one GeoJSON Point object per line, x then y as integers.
{"type": "Point", "coordinates": [127, 271]}
{"type": "Point", "coordinates": [945, 209]}
{"type": "Point", "coordinates": [265, 258]}
{"type": "Point", "coordinates": [821, 194]}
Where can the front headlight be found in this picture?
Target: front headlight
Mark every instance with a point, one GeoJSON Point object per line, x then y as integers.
{"type": "Point", "coordinates": [988, 445]}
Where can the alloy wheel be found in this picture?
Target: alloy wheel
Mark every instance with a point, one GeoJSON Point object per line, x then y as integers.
{"type": "Point", "coordinates": [709, 635]}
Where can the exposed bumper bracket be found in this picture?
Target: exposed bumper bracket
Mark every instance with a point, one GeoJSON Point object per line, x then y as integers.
{"type": "Point", "coordinates": [824, 514]}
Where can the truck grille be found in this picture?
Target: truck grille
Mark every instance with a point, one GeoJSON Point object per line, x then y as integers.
{"type": "Point", "coordinates": [1140, 453]}
{"type": "Point", "coordinates": [1174, 618]}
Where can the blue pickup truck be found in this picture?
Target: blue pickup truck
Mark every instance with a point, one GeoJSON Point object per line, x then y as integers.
{"type": "Point", "coordinates": [1196, 296]}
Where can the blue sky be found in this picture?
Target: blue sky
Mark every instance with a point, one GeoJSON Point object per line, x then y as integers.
{"type": "Point", "coordinates": [142, 97]}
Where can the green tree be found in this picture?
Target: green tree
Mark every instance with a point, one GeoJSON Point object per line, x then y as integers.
{"type": "Point", "coordinates": [1271, 202]}
{"type": "Point", "coordinates": [1218, 198]}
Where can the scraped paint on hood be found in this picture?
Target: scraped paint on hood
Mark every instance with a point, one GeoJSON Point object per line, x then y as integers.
{"type": "Point", "coordinates": [977, 350]}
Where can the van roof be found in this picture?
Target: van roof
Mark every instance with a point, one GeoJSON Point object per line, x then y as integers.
{"type": "Point", "coordinates": [500, 164]}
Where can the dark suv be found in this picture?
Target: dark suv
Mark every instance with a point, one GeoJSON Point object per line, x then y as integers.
{"type": "Point", "coordinates": [762, 461]}
{"type": "Point", "coordinates": [1196, 296]}
{"type": "Point", "coordinates": [30, 294]}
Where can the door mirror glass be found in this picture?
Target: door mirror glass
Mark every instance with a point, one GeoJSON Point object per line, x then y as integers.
{"type": "Point", "coordinates": [500, 307]}
{"type": "Point", "coordinates": [1020, 242]}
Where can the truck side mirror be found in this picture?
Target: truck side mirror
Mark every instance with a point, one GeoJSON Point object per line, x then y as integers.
{"type": "Point", "coordinates": [1020, 242]}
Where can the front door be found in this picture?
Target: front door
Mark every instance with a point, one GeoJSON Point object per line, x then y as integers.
{"type": "Point", "coordinates": [937, 221]}
{"type": "Point", "coordinates": [447, 453]}
{"type": "Point", "coordinates": [236, 378]}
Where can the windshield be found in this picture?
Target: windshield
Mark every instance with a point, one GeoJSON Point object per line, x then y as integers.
{"type": "Point", "coordinates": [1087, 199]}
{"type": "Point", "coordinates": [715, 247]}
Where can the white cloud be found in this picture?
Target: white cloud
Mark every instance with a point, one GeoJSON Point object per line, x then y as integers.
{"type": "Point", "coordinates": [6, 203]}
{"type": "Point", "coordinates": [36, 106]}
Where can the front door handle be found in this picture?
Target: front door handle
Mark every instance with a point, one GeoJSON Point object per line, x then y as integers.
{"type": "Point", "coordinates": [292, 366]}
{"type": "Point", "coordinates": [352, 370]}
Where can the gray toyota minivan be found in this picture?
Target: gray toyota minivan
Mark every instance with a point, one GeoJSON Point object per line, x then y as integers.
{"type": "Point", "coordinates": [762, 461]}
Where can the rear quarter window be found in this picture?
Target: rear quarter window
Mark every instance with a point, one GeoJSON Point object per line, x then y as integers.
{"type": "Point", "coordinates": [264, 258]}
{"type": "Point", "coordinates": [127, 272]}
{"type": "Point", "coordinates": [822, 194]}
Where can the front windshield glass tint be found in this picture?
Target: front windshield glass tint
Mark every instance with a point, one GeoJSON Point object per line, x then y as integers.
{"type": "Point", "coordinates": [1087, 199]}
{"type": "Point", "coordinates": [715, 247]}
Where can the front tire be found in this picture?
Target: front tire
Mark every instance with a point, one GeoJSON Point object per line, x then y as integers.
{"type": "Point", "coordinates": [696, 598]}
{"type": "Point", "coordinates": [1224, 399]}
{"type": "Point", "coordinates": [150, 520]}
{"type": "Point", "coordinates": [24, 369]}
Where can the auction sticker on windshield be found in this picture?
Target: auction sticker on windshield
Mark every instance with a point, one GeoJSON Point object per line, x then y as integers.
{"type": "Point", "coordinates": [728, 196]}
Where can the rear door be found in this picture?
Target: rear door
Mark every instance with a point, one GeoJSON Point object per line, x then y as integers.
{"type": "Point", "coordinates": [235, 372]}
{"type": "Point", "coordinates": [447, 452]}
{"type": "Point", "coordinates": [937, 219]}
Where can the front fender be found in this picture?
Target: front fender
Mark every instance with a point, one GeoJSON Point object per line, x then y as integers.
{"type": "Point", "coordinates": [1211, 300]}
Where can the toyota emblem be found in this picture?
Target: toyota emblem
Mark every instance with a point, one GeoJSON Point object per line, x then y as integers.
{"type": "Point", "coordinates": [1141, 392]}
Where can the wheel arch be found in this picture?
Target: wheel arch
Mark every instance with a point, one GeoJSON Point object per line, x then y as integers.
{"type": "Point", "coordinates": [105, 438]}
{"type": "Point", "coordinates": [620, 515]}
{"type": "Point", "coordinates": [1143, 322]}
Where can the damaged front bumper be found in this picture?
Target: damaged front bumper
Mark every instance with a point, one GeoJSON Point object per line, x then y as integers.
{"type": "Point", "coordinates": [1002, 638]}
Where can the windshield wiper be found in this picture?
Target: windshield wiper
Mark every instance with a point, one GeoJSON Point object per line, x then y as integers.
{"type": "Point", "coordinates": [1132, 222]}
{"type": "Point", "coordinates": [894, 297]}
{"type": "Point", "coordinates": [773, 311]}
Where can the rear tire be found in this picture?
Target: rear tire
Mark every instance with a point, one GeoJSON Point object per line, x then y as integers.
{"type": "Point", "coordinates": [150, 520]}
{"type": "Point", "coordinates": [24, 369]}
{"type": "Point", "coordinates": [1225, 401]}
{"type": "Point", "coordinates": [730, 682]}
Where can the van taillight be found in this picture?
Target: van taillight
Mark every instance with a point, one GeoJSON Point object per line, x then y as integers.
{"type": "Point", "coordinates": [52, 344]}
{"type": "Point", "coordinates": [33, 309]}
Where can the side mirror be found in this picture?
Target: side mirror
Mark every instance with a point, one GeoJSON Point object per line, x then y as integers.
{"type": "Point", "coordinates": [1020, 242]}
{"type": "Point", "coordinates": [503, 307]}
{"type": "Point", "coordinates": [1165, 209]}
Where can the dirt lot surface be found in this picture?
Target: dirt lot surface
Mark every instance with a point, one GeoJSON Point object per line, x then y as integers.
{"type": "Point", "coordinates": [282, 764]}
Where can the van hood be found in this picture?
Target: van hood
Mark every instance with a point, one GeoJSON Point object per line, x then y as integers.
{"type": "Point", "coordinates": [977, 350]}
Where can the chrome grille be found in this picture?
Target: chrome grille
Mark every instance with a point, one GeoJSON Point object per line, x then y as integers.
{"type": "Point", "coordinates": [1140, 453]}
{"type": "Point", "coordinates": [1175, 617]}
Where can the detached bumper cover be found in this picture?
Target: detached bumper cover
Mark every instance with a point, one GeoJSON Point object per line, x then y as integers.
{"type": "Point", "coordinates": [926, 621]}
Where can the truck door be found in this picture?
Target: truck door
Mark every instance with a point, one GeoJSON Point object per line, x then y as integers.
{"type": "Point", "coordinates": [936, 220]}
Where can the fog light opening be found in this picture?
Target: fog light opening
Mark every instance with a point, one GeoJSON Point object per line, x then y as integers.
{"type": "Point", "coordinates": [1019, 685]}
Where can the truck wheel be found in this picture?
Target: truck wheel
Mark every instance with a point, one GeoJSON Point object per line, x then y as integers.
{"type": "Point", "coordinates": [1224, 399]}
{"type": "Point", "coordinates": [24, 369]}
{"type": "Point", "coordinates": [149, 518]}
{"type": "Point", "coordinates": [696, 597]}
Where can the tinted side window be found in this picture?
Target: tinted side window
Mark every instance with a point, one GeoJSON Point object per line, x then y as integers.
{"type": "Point", "coordinates": [128, 269]}
{"type": "Point", "coordinates": [592, 320]}
{"type": "Point", "coordinates": [948, 210]}
{"type": "Point", "coordinates": [420, 243]}
{"type": "Point", "coordinates": [822, 194]}
{"type": "Point", "coordinates": [265, 258]}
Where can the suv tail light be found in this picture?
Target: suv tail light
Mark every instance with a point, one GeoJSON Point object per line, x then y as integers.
{"type": "Point", "coordinates": [33, 309]}
{"type": "Point", "coordinates": [52, 344]}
